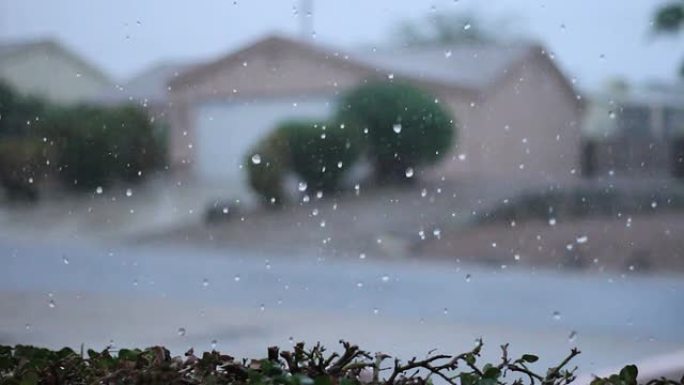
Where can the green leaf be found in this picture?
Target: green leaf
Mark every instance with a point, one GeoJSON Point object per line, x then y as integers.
{"type": "Point", "coordinates": [629, 374]}
{"type": "Point", "coordinates": [492, 372]}
{"type": "Point", "coordinates": [530, 358]}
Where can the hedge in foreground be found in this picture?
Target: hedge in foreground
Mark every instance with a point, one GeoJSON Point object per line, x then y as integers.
{"type": "Point", "coordinates": [31, 366]}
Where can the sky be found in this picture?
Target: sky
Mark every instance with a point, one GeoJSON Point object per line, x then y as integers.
{"type": "Point", "coordinates": [592, 40]}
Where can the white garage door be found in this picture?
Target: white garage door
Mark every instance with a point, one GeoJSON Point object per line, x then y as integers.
{"type": "Point", "coordinates": [226, 131]}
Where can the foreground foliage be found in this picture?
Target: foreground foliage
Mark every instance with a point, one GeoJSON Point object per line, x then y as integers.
{"type": "Point", "coordinates": [32, 366]}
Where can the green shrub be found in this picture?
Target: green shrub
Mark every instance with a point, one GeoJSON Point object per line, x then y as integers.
{"type": "Point", "coordinates": [321, 153]}
{"type": "Point", "coordinates": [18, 113]}
{"type": "Point", "coordinates": [99, 145]}
{"type": "Point", "coordinates": [266, 165]}
{"type": "Point", "coordinates": [22, 161]}
{"type": "Point", "coordinates": [406, 126]}
{"type": "Point", "coordinates": [352, 366]}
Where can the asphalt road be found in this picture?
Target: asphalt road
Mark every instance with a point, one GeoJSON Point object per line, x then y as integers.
{"type": "Point", "coordinates": [66, 294]}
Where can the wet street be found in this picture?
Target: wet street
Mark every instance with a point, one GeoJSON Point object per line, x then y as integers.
{"type": "Point", "coordinates": [66, 294]}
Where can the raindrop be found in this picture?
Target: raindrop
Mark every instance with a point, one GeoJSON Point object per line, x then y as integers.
{"type": "Point", "coordinates": [236, 278]}
{"type": "Point", "coordinates": [461, 157]}
{"type": "Point", "coordinates": [181, 332]}
{"type": "Point", "coordinates": [445, 311]}
{"type": "Point", "coordinates": [409, 172]}
{"type": "Point", "coordinates": [362, 256]}
{"type": "Point", "coordinates": [213, 344]}
{"type": "Point", "coordinates": [552, 221]}
{"type": "Point", "coordinates": [390, 76]}
{"type": "Point", "coordinates": [339, 164]}
{"type": "Point", "coordinates": [262, 307]}
{"type": "Point", "coordinates": [302, 186]}
{"type": "Point", "coordinates": [129, 192]}
{"type": "Point", "coordinates": [376, 311]}
{"type": "Point", "coordinates": [447, 54]}
{"type": "Point", "coordinates": [611, 114]}
{"type": "Point", "coordinates": [27, 326]}
{"type": "Point", "coordinates": [359, 284]}
{"type": "Point", "coordinates": [654, 204]}
{"type": "Point", "coordinates": [556, 315]}
{"type": "Point", "coordinates": [468, 277]}
{"type": "Point", "coordinates": [437, 233]}
{"type": "Point", "coordinates": [582, 239]}
{"type": "Point", "coordinates": [99, 190]}
{"type": "Point", "coordinates": [423, 193]}
{"type": "Point", "coordinates": [205, 282]}
{"type": "Point", "coordinates": [516, 257]}
{"type": "Point", "coordinates": [467, 26]}
{"type": "Point", "coordinates": [396, 128]}
{"type": "Point", "coordinates": [65, 259]}
{"type": "Point", "coordinates": [51, 304]}
{"type": "Point", "coordinates": [385, 278]}
{"type": "Point", "coordinates": [256, 159]}
{"type": "Point", "coordinates": [572, 337]}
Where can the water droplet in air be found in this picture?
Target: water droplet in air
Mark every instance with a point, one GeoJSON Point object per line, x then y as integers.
{"type": "Point", "coordinates": [556, 316]}
{"type": "Point", "coordinates": [467, 26]}
{"type": "Point", "coordinates": [409, 172]}
{"type": "Point", "coordinates": [99, 190]}
{"type": "Point", "coordinates": [376, 311]}
{"type": "Point", "coordinates": [447, 54]}
{"type": "Point", "coordinates": [181, 332]}
{"type": "Point", "coordinates": [65, 259]}
{"type": "Point", "coordinates": [213, 344]}
{"type": "Point", "coordinates": [129, 192]}
{"type": "Point", "coordinates": [654, 204]}
{"type": "Point", "coordinates": [611, 114]}
{"type": "Point", "coordinates": [385, 278]}
{"type": "Point", "coordinates": [256, 159]}
{"type": "Point", "coordinates": [552, 221]}
{"type": "Point", "coordinates": [390, 76]}
{"type": "Point", "coordinates": [51, 304]}
{"type": "Point", "coordinates": [205, 282]}
{"type": "Point", "coordinates": [582, 239]}
{"type": "Point", "coordinates": [362, 256]}
{"type": "Point", "coordinates": [27, 326]}
{"type": "Point", "coordinates": [572, 337]}
{"type": "Point", "coordinates": [468, 277]}
{"type": "Point", "coordinates": [236, 278]}
{"type": "Point", "coordinates": [396, 128]}
{"type": "Point", "coordinates": [302, 186]}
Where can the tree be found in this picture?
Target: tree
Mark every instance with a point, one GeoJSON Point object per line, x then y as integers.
{"type": "Point", "coordinates": [406, 127]}
{"type": "Point", "coordinates": [669, 19]}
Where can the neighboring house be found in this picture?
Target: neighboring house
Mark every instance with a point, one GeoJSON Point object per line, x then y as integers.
{"type": "Point", "coordinates": [518, 116]}
{"type": "Point", "coordinates": [633, 131]}
{"type": "Point", "coordinates": [47, 69]}
{"type": "Point", "coordinates": [149, 89]}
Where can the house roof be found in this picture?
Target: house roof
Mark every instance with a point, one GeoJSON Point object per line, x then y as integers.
{"type": "Point", "coordinates": [150, 85]}
{"type": "Point", "coordinates": [468, 67]}
{"type": "Point", "coordinates": [10, 49]}
{"type": "Point", "coordinates": [472, 66]}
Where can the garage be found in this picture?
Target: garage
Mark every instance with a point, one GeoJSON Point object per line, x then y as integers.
{"type": "Point", "coordinates": [225, 131]}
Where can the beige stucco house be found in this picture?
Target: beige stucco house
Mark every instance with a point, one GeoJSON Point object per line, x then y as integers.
{"type": "Point", "coordinates": [518, 116]}
{"type": "Point", "coordinates": [49, 70]}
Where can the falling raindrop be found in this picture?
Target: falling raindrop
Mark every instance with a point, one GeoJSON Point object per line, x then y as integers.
{"type": "Point", "coordinates": [396, 128]}
{"type": "Point", "coordinates": [385, 278]}
{"type": "Point", "coordinates": [213, 344]}
{"type": "Point", "coordinates": [256, 159]}
{"type": "Point", "coordinates": [129, 192]}
{"type": "Point", "coordinates": [27, 326]}
{"type": "Point", "coordinates": [262, 307]}
{"type": "Point", "coordinates": [339, 164]}
{"type": "Point", "coordinates": [376, 311]}
{"type": "Point", "coordinates": [582, 239]}
{"type": "Point", "coordinates": [51, 304]}
{"type": "Point", "coordinates": [445, 311]}
{"type": "Point", "coordinates": [556, 315]}
{"type": "Point", "coordinates": [181, 332]}
{"type": "Point", "coordinates": [359, 284]}
{"type": "Point", "coordinates": [654, 204]}
{"type": "Point", "coordinates": [409, 172]}
{"type": "Point", "coordinates": [468, 277]}
{"type": "Point", "coordinates": [572, 337]}
{"type": "Point", "coordinates": [362, 256]}
{"type": "Point", "coordinates": [205, 282]}
{"type": "Point", "coordinates": [302, 186]}
{"type": "Point", "coordinates": [390, 76]}
{"type": "Point", "coordinates": [611, 114]}
{"type": "Point", "coordinates": [467, 26]}
{"type": "Point", "coordinates": [98, 190]}
{"type": "Point", "coordinates": [65, 259]}
{"type": "Point", "coordinates": [461, 157]}
{"type": "Point", "coordinates": [447, 54]}
{"type": "Point", "coordinates": [552, 221]}
{"type": "Point", "coordinates": [236, 278]}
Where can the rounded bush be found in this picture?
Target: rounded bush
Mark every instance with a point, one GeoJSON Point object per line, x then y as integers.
{"type": "Point", "coordinates": [405, 126]}
{"type": "Point", "coordinates": [321, 153]}
{"type": "Point", "coordinates": [22, 161]}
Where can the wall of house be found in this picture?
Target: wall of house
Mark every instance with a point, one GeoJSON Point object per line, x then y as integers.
{"type": "Point", "coordinates": [47, 72]}
{"type": "Point", "coordinates": [525, 128]}
{"type": "Point", "coordinates": [265, 71]}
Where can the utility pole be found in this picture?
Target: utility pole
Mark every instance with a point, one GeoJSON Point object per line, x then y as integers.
{"type": "Point", "coordinates": [306, 19]}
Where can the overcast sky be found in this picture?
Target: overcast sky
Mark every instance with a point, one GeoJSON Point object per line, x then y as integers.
{"type": "Point", "coordinates": [124, 36]}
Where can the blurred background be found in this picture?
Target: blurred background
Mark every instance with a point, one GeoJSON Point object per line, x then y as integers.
{"type": "Point", "coordinates": [405, 175]}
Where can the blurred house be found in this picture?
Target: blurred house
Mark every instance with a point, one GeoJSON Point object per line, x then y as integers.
{"type": "Point", "coordinates": [47, 69]}
{"type": "Point", "coordinates": [149, 89]}
{"type": "Point", "coordinates": [518, 116]}
{"type": "Point", "coordinates": [635, 131]}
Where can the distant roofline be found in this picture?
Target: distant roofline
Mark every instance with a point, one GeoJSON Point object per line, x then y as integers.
{"type": "Point", "coordinates": [20, 46]}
